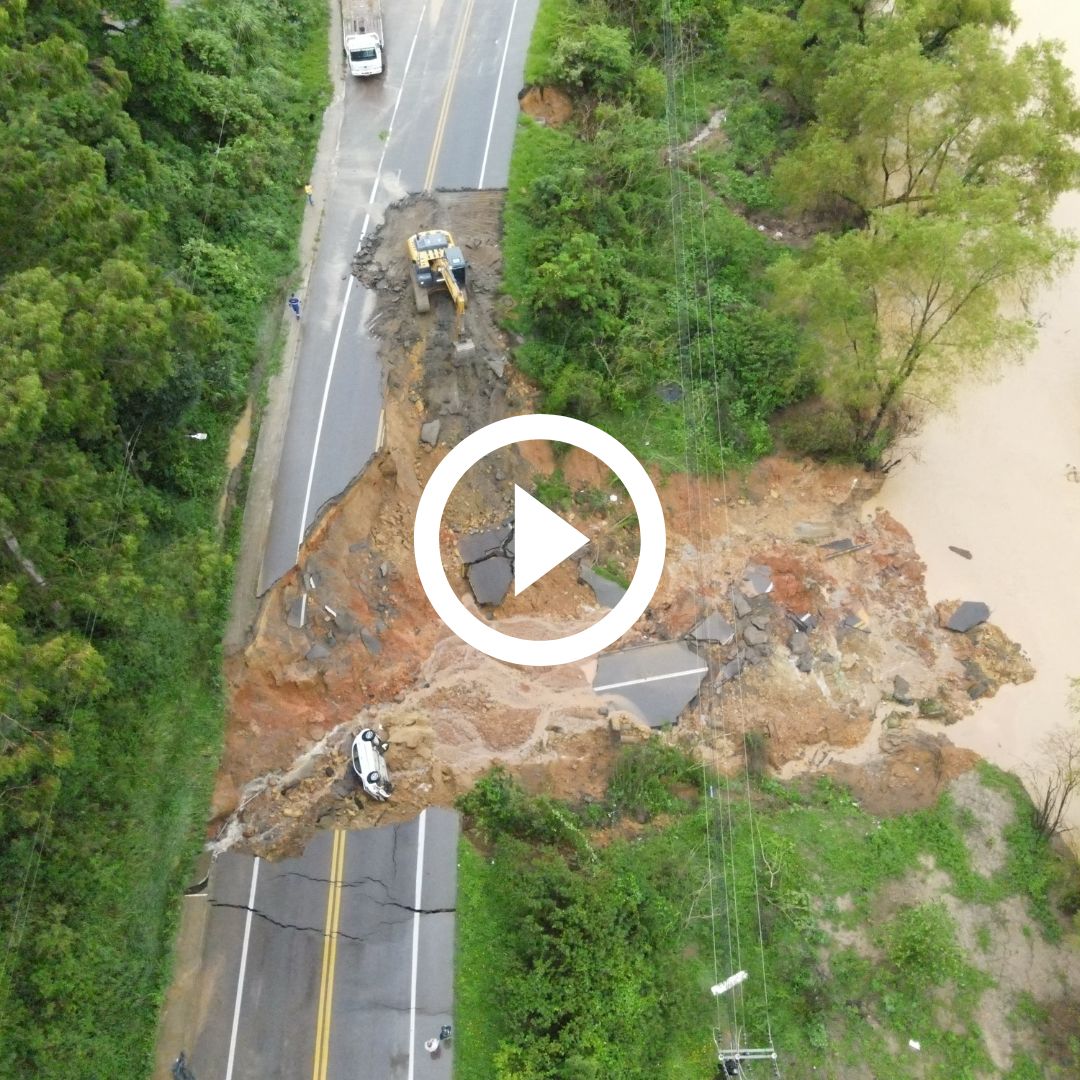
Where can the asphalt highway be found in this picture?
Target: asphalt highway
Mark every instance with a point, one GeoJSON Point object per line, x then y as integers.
{"type": "Point", "coordinates": [338, 965]}
{"type": "Point", "coordinates": [442, 115]}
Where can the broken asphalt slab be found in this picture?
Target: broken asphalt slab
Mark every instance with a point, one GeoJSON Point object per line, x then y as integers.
{"type": "Point", "coordinates": [840, 546]}
{"type": "Point", "coordinates": [715, 629]}
{"type": "Point", "coordinates": [608, 593]}
{"type": "Point", "coordinates": [740, 604]}
{"type": "Point", "coordinates": [294, 616]}
{"type": "Point", "coordinates": [476, 546]}
{"type": "Point", "coordinates": [758, 580]}
{"type": "Point", "coordinates": [658, 681]}
{"type": "Point", "coordinates": [967, 616]}
{"type": "Point", "coordinates": [488, 556]}
{"type": "Point", "coordinates": [490, 579]}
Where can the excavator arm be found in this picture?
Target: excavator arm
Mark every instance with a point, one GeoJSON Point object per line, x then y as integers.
{"type": "Point", "coordinates": [457, 293]}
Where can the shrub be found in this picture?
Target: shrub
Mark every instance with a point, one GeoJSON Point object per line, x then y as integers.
{"type": "Point", "coordinates": [553, 491]}
{"type": "Point", "coordinates": [644, 776]}
{"type": "Point", "coordinates": [595, 59]}
{"type": "Point", "coordinates": [920, 943]}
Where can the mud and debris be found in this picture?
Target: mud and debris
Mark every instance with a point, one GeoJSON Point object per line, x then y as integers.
{"type": "Point", "coordinates": [770, 613]}
{"type": "Point", "coordinates": [546, 105]}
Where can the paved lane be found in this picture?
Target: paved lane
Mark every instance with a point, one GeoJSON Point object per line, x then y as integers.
{"type": "Point", "coordinates": [382, 1012]}
{"type": "Point", "coordinates": [347, 955]}
{"type": "Point", "coordinates": [447, 99]}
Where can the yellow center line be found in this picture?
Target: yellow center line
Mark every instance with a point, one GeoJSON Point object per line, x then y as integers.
{"type": "Point", "coordinates": [444, 112]}
{"type": "Point", "coordinates": [329, 957]}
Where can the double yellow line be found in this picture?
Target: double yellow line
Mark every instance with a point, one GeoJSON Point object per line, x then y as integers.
{"type": "Point", "coordinates": [444, 112]}
{"type": "Point", "coordinates": [329, 957]}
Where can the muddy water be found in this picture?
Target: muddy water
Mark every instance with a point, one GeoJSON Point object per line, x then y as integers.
{"type": "Point", "coordinates": [992, 477]}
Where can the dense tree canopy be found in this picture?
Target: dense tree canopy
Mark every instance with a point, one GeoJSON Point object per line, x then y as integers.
{"type": "Point", "coordinates": [128, 320]}
{"type": "Point", "coordinates": [938, 157]}
{"type": "Point", "coordinates": [894, 126]}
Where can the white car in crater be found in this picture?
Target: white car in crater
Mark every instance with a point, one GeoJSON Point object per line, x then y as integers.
{"type": "Point", "coordinates": [369, 764]}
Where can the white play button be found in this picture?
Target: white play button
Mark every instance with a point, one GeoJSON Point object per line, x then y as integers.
{"type": "Point", "coordinates": [541, 540]}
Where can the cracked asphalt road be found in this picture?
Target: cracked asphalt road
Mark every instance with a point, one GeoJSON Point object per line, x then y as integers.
{"type": "Point", "coordinates": [395, 890]}
{"type": "Point", "coordinates": [443, 116]}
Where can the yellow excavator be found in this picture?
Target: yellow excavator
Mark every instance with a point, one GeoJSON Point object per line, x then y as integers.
{"type": "Point", "coordinates": [437, 263]}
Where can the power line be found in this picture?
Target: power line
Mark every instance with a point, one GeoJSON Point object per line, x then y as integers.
{"type": "Point", "coordinates": [682, 335]}
{"type": "Point", "coordinates": [731, 1053]}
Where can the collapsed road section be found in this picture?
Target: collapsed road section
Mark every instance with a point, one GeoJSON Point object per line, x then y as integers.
{"type": "Point", "coordinates": [813, 623]}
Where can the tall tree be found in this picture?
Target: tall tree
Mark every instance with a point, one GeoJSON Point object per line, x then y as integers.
{"type": "Point", "coordinates": [795, 46]}
{"type": "Point", "coordinates": [917, 299]}
{"type": "Point", "coordinates": [896, 127]}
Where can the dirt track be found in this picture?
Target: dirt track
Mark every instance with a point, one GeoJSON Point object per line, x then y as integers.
{"type": "Point", "coordinates": [382, 657]}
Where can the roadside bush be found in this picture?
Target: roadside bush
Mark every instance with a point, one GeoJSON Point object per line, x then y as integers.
{"type": "Point", "coordinates": [626, 275]}
{"type": "Point", "coordinates": [595, 59]}
{"type": "Point", "coordinates": [824, 433]}
{"type": "Point", "coordinates": [498, 808]}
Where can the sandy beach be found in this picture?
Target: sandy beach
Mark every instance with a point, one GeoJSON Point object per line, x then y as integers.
{"type": "Point", "coordinates": [992, 475]}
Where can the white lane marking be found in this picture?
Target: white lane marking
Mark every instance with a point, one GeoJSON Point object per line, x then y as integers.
{"type": "Point", "coordinates": [416, 943]}
{"type": "Point", "coordinates": [243, 969]}
{"type": "Point", "coordinates": [319, 426]}
{"type": "Point", "coordinates": [652, 678]}
{"type": "Point", "coordinates": [498, 87]}
{"type": "Point", "coordinates": [345, 308]}
{"type": "Point", "coordinates": [393, 115]}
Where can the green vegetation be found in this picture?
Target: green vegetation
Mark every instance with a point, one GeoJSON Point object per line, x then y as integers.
{"type": "Point", "coordinates": [628, 277]}
{"type": "Point", "coordinates": [608, 297]}
{"type": "Point", "coordinates": [553, 491]}
{"type": "Point", "coordinates": [586, 948]}
{"type": "Point", "coordinates": [149, 211]}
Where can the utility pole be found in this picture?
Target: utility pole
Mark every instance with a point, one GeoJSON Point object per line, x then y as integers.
{"type": "Point", "coordinates": [731, 1058]}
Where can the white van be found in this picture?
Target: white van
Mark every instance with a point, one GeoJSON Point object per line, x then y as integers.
{"type": "Point", "coordinates": [370, 765]}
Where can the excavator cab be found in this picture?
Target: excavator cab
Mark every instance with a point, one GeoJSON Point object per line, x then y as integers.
{"type": "Point", "coordinates": [437, 263]}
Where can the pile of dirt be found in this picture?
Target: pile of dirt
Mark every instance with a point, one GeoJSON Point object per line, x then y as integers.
{"type": "Point", "coordinates": [349, 639]}
{"type": "Point", "coordinates": [546, 105]}
{"type": "Point", "coordinates": [914, 767]}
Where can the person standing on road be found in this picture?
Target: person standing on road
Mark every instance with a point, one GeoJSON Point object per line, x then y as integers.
{"type": "Point", "coordinates": [294, 303]}
{"type": "Point", "coordinates": [307, 192]}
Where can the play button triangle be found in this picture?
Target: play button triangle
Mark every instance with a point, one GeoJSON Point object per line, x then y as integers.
{"type": "Point", "coordinates": [541, 540]}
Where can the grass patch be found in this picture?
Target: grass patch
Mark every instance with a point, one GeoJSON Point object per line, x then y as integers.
{"type": "Point", "coordinates": [553, 491]}
{"type": "Point", "coordinates": [547, 30]}
{"type": "Point", "coordinates": [483, 956]}
{"type": "Point", "coordinates": [612, 572]}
